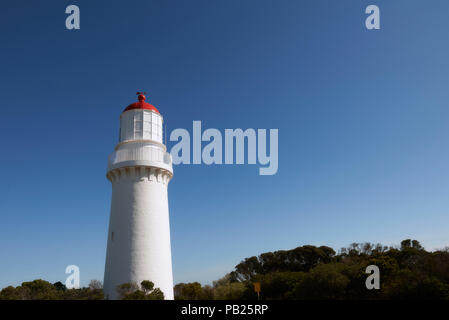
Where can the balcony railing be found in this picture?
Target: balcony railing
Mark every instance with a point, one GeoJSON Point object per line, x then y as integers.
{"type": "Point", "coordinates": [139, 154]}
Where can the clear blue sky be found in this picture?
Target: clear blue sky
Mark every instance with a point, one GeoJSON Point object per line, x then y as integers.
{"type": "Point", "coordinates": [363, 119]}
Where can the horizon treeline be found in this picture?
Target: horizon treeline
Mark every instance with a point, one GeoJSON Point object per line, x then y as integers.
{"type": "Point", "coordinates": [407, 271]}
{"type": "Point", "coordinates": [308, 272]}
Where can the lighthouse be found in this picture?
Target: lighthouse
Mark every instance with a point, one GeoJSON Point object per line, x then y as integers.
{"type": "Point", "coordinates": [139, 170]}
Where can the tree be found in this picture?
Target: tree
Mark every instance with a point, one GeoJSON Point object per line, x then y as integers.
{"type": "Point", "coordinates": [248, 268]}
{"type": "Point", "coordinates": [9, 293]}
{"type": "Point", "coordinates": [126, 289]}
{"type": "Point", "coordinates": [277, 285]}
{"type": "Point", "coordinates": [406, 244]}
{"type": "Point", "coordinates": [156, 294]}
{"type": "Point", "coordinates": [146, 291]}
{"type": "Point", "coordinates": [325, 281]}
{"type": "Point", "coordinates": [59, 286]}
{"type": "Point", "coordinates": [188, 291]}
{"type": "Point", "coordinates": [38, 290]}
{"type": "Point", "coordinates": [230, 291]}
{"type": "Point", "coordinates": [43, 290]}
{"type": "Point", "coordinates": [416, 245]}
{"type": "Point", "coordinates": [207, 293]}
{"type": "Point", "coordinates": [299, 259]}
{"type": "Point", "coordinates": [95, 285]}
{"type": "Point", "coordinates": [147, 286]}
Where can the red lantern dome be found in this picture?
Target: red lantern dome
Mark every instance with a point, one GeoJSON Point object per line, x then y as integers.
{"type": "Point", "coordinates": [141, 104]}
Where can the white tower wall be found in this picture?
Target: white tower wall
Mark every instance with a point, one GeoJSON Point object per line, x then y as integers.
{"type": "Point", "coordinates": [139, 231]}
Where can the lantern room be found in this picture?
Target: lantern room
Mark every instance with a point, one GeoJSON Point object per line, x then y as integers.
{"type": "Point", "coordinates": [141, 121]}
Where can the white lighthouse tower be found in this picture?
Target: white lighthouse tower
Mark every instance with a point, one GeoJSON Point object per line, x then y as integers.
{"type": "Point", "coordinates": [139, 231]}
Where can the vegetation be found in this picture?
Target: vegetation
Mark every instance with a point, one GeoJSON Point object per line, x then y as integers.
{"type": "Point", "coordinates": [308, 272]}
{"type": "Point", "coordinates": [43, 290]}
{"type": "Point", "coordinates": [131, 291]}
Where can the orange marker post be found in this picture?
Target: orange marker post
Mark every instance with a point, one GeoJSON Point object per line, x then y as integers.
{"type": "Point", "coordinates": [257, 289]}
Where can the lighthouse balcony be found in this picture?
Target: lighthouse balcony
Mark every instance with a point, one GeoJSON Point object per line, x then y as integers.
{"type": "Point", "coordinates": [144, 156]}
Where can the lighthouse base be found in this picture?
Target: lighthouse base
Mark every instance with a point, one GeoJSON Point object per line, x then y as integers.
{"type": "Point", "coordinates": [139, 231]}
